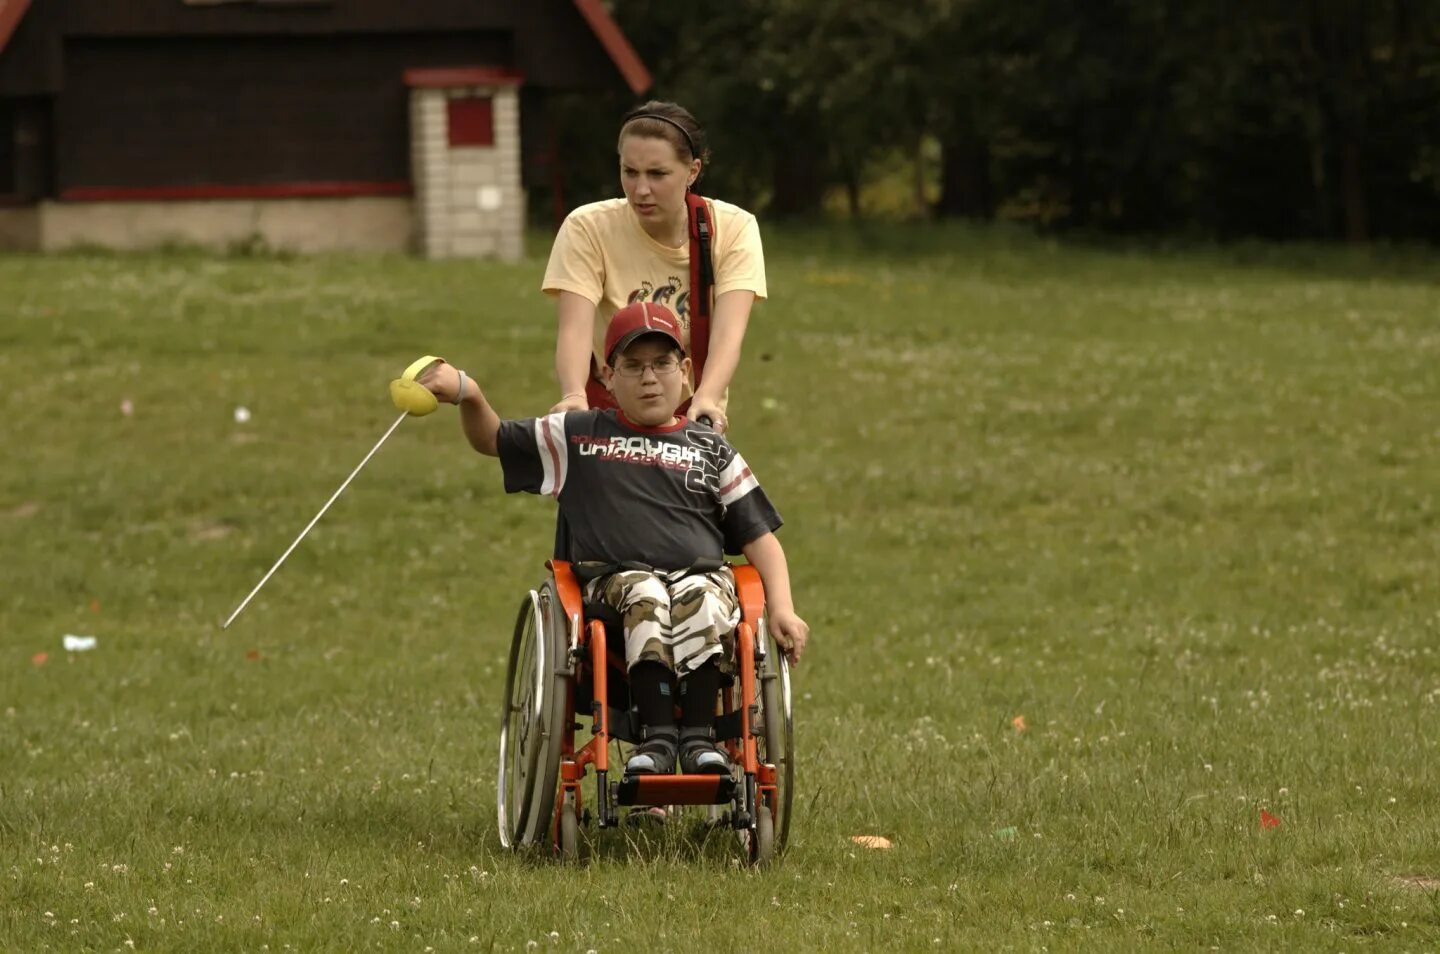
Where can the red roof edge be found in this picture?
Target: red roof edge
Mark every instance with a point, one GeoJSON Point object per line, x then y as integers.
{"type": "Point", "coordinates": [607, 31]}
{"type": "Point", "coordinates": [11, 13]}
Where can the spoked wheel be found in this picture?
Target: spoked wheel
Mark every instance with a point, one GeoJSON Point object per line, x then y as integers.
{"type": "Point", "coordinates": [773, 726]}
{"type": "Point", "coordinates": [775, 743]}
{"type": "Point", "coordinates": [530, 721]}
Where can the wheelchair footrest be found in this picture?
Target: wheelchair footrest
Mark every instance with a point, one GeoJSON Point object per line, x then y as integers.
{"type": "Point", "coordinates": [676, 790]}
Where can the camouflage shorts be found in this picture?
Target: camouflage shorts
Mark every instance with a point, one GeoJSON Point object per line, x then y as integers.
{"type": "Point", "coordinates": [679, 623]}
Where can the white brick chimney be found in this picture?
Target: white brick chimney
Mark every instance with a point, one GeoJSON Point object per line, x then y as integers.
{"type": "Point", "coordinates": [465, 162]}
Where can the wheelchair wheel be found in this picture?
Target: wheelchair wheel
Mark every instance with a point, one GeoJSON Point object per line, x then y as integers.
{"type": "Point", "coordinates": [568, 843]}
{"type": "Point", "coordinates": [535, 697]}
{"type": "Point", "coordinates": [761, 839]}
{"type": "Point", "coordinates": [776, 742]}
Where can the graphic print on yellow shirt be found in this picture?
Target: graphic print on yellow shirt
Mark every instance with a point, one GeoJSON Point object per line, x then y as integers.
{"type": "Point", "coordinates": [604, 255]}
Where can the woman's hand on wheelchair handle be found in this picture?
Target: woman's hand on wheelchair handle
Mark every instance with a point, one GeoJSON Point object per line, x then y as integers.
{"type": "Point", "coordinates": [574, 401]}
{"type": "Point", "coordinates": [714, 417]}
{"type": "Point", "coordinates": [791, 632]}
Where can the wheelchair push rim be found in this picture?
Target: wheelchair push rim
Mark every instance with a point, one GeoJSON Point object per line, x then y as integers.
{"type": "Point", "coordinates": [528, 758]}
{"type": "Point", "coordinates": [779, 734]}
{"type": "Point", "coordinates": [774, 738]}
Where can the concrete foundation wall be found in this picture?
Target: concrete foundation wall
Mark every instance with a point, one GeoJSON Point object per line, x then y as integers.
{"type": "Point", "coordinates": [19, 229]}
{"type": "Point", "coordinates": [372, 224]}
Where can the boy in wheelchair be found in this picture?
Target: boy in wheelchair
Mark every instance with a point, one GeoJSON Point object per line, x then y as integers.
{"type": "Point", "coordinates": [651, 503]}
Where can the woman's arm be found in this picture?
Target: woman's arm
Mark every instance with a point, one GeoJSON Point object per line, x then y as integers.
{"type": "Point", "coordinates": [574, 344]}
{"type": "Point", "coordinates": [727, 334]}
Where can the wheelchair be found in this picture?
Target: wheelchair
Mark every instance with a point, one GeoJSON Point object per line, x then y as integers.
{"type": "Point", "coordinates": [567, 663]}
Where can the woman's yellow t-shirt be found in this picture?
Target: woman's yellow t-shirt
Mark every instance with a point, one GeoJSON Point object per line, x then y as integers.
{"type": "Point", "coordinates": [604, 255]}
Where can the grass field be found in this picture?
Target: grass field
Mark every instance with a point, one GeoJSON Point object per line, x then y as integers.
{"type": "Point", "coordinates": [1177, 513]}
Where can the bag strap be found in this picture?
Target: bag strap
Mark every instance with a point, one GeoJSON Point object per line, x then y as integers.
{"type": "Point", "coordinates": [702, 281]}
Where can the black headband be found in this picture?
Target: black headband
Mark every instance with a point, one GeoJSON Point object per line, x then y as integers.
{"type": "Point", "coordinates": [666, 119]}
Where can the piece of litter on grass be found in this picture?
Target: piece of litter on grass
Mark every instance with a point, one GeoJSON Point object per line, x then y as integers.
{"type": "Point", "coordinates": [127, 407]}
{"type": "Point", "coordinates": [94, 606]}
{"type": "Point", "coordinates": [78, 644]}
{"type": "Point", "coordinates": [39, 658]}
{"type": "Point", "coordinates": [1268, 820]}
{"type": "Point", "coordinates": [1019, 723]}
{"type": "Point", "coordinates": [253, 655]}
{"type": "Point", "coordinates": [242, 414]}
{"type": "Point", "coordinates": [1006, 834]}
{"type": "Point", "coordinates": [871, 841]}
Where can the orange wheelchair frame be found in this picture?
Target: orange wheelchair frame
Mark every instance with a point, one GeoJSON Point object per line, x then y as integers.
{"type": "Point", "coordinates": [562, 667]}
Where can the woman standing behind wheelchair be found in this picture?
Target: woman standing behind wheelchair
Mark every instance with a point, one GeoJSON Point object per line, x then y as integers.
{"type": "Point", "coordinates": [611, 253]}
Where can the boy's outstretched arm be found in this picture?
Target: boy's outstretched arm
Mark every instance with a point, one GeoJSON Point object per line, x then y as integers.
{"type": "Point", "coordinates": [789, 630]}
{"type": "Point", "coordinates": [477, 418]}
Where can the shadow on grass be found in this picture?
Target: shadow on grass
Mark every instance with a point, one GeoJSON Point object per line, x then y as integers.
{"type": "Point", "coordinates": [686, 840]}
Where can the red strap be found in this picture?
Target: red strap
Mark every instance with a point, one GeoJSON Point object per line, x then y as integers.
{"type": "Point", "coordinates": [699, 289]}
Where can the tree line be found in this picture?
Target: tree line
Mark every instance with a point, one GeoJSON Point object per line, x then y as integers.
{"type": "Point", "coordinates": [1311, 119]}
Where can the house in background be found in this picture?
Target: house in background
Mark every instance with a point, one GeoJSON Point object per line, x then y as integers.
{"type": "Point", "coordinates": [312, 125]}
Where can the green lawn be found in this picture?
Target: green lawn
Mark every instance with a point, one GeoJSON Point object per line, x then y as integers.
{"type": "Point", "coordinates": [1178, 511]}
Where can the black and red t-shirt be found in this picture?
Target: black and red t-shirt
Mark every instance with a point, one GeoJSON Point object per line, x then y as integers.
{"type": "Point", "coordinates": [664, 496]}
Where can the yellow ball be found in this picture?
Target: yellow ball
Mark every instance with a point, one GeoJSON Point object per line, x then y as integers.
{"type": "Point", "coordinates": [412, 397]}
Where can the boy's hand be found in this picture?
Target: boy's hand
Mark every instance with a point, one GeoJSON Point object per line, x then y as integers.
{"type": "Point", "coordinates": [791, 632]}
{"type": "Point", "coordinates": [442, 380]}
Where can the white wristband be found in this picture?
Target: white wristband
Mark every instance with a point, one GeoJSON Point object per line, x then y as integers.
{"type": "Point", "coordinates": [460, 393]}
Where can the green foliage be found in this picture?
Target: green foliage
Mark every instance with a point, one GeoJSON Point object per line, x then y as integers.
{"type": "Point", "coordinates": [1177, 509]}
{"type": "Point", "coordinates": [1312, 119]}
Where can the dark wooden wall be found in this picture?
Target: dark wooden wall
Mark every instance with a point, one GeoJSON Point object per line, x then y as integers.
{"type": "Point", "coordinates": [8, 185]}
{"type": "Point", "coordinates": [25, 166]}
{"type": "Point", "coordinates": [30, 64]}
{"type": "Point", "coordinates": [157, 93]}
{"type": "Point", "coordinates": [552, 45]}
{"type": "Point", "coordinates": [237, 110]}
{"type": "Point", "coordinates": [174, 18]}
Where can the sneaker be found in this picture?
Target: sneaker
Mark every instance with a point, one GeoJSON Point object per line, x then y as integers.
{"type": "Point", "coordinates": [699, 755]}
{"type": "Point", "coordinates": [656, 754]}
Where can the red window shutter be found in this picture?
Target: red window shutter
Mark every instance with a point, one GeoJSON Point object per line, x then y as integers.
{"type": "Point", "coordinates": [472, 121]}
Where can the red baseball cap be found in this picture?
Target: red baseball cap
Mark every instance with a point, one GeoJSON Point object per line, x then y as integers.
{"type": "Point", "coordinates": [636, 319]}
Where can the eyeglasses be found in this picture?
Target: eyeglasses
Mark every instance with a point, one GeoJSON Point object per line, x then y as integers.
{"type": "Point", "coordinates": [630, 368]}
